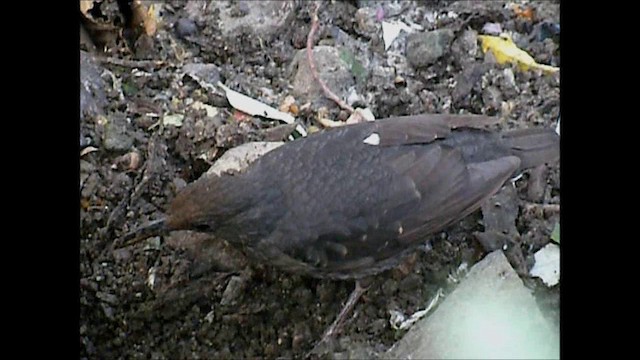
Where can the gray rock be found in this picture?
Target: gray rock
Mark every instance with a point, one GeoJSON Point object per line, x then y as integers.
{"type": "Point", "coordinates": [366, 23]}
{"type": "Point", "coordinates": [424, 49]}
{"type": "Point", "coordinates": [185, 27]}
{"type": "Point", "coordinates": [489, 315]}
{"type": "Point", "coordinates": [258, 18]}
{"type": "Point", "coordinates": [466, 80]}
{"type": "Point", "coordinates": [92, 96]}
{"type": "Point", "coordinates": [207, 73]}
{"type": "Point", "coordinates": [465, 47]}
{"type": "Point", "coordinates": [234, 288]}
{"type": "Point", "coordinates": [492, 98]}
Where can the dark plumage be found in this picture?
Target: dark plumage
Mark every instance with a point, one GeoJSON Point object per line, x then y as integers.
{"type": "Point", "coordinates": [352, 201]}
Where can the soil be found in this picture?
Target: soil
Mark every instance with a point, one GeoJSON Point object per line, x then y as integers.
{"type": "Point", "coordinates": [190, 296]}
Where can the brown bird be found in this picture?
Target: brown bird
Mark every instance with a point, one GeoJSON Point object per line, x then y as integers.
{"type": "Point", "coordinates": [353, 201]}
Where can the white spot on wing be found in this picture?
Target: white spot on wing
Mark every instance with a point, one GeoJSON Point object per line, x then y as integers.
{"type": "Point", "coordinates": [373, 139]}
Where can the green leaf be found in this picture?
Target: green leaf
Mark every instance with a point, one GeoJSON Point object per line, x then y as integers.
{"type": "Point", "coordinates": [355, 66]}
{"type": "Point", "coordinates": [129, 89]}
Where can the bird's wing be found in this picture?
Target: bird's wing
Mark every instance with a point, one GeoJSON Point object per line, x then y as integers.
{"type": "Point", "coordinates": [368, 202]}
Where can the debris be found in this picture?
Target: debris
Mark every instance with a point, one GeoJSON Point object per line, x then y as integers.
{"type": "Point", "coordinates": [399, 321]}
{"type": "Point", "coordinates": [391, 30]}
{"type": "Point", "coordinates": [256, 108]}
{"type": "Point", "coordinates": [211, 111]}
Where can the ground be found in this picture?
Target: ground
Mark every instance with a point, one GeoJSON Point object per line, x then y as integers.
{"type": "Point", "coordinates": [189, 296]}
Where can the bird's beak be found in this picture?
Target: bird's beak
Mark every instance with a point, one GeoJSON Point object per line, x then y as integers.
{"type": "Point", "coordinates": [156, 227]}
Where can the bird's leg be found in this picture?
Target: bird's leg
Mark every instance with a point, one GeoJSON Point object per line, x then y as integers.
{"type": "Point", "coordinates": [337, 324]}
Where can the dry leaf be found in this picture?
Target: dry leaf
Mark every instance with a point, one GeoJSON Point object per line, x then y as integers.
{"type": "Point", "coordinates": [85, 6]}
{"type": "Point", "coordinates": [144, 17]}
{"type": "Point", "coordinates": [506, 51]}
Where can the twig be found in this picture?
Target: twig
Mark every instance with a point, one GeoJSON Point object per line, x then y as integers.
{"type": "Point", "coordinates": [142, 179]}
{"type": "Point", "coordinates": [312, 65]}
{"type": "Point", "coordinates": [131, 63]}
{"type": "Point", "coordinates": [548, 208]}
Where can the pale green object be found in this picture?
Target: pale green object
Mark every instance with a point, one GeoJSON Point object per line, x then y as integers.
{"type": "Point", "coordinates": [173, 119]}
{"type": "Point", "coordinates": [355, 66]}
{"type": "Point", "coordinates": [555, 235]}
{"type": "Point", "coordinates": [490, 315]}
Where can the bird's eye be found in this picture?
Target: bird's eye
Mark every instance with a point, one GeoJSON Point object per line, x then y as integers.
{"type": "Point", "coordinates": [202, 227]}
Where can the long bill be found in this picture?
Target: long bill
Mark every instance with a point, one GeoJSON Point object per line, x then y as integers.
{"type": "Point", "coordinates": [152, 228]}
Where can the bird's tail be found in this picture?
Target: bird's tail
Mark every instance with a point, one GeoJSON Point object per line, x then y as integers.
{"type": "Point", "coordinates": [153, 228]}
{"type": "Point", "coordinates": [533, 146]}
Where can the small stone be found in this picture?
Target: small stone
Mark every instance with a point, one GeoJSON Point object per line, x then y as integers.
{"type": "Point", "coordinates": [366, 23]}
{"type": "Point", "coordinates": [185, 27]}
{"type": "Point", "coordinates": [424, 49]}
{"type": "Point", "coordinates": [492, 98]}
{"type": "Point", "coordinates": [235, 286]}
{"type": "Point", "coordinates": [117, 136]}
{"type": "Point", "coordinates": [107, 298]}
{"type": "Point", "coordinates": [92, 95]}
{"type": "Point", "coordinates": [389, 287]}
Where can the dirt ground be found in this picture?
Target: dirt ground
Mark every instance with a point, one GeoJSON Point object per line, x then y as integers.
{"type": "Point", "coordinates": [190, 296]}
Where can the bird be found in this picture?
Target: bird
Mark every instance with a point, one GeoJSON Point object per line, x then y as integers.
{"type": "Point", "coordinates": [350, 202]}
